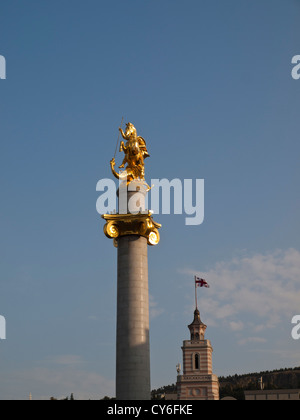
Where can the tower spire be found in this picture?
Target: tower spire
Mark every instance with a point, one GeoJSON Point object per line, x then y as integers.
{"type": "Point", "coordinates": [197, 327]}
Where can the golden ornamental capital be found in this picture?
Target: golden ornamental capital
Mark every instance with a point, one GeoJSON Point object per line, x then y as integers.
{"type": "Point", "coordinates": [141, 224]}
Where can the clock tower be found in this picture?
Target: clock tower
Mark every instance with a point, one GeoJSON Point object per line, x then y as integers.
{"type": "Point", "coordinates": [197, 381]}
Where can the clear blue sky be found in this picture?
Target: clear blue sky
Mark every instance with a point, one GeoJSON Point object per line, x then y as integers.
{"type": "Point", "coordinates": [208, 84]}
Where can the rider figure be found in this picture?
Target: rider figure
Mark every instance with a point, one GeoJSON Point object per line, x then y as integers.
{"type": "Point", "coordinates": [131, 136]}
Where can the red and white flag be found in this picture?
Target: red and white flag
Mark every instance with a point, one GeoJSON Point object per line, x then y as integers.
{"type": "Point", "coordinates": [201, 282]}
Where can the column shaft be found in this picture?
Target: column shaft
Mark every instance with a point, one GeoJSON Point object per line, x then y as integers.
{"type": "Point", "coordinates": [133, 352]}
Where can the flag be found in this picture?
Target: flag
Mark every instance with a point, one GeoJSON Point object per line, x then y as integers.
{"type": "Point", "coordinates": [201, 282]}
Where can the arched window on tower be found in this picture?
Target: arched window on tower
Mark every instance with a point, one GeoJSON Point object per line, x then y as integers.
{"type": "Point", "coordinates": [197, 361]}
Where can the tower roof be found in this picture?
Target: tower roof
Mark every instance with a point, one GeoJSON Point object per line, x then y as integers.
{"type": "Point", "coordinates": [197, 327]}
{"type": "Point", "coordinates": [197, 320]}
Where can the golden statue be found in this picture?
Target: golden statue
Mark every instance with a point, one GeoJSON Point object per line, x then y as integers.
{"type": "Point", "coordinates": [135, 151]}
{"type": "Point", "coordinates": [137, 223]}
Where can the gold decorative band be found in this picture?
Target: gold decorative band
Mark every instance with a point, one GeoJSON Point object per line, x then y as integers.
{"type": "Point", "coordinates": [131, 224]}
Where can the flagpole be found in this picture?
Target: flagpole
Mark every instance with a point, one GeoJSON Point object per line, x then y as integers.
{"type": "Point", "coordinates": [196, 294]}
{"type": "Point", "coordinates": [201, 283]}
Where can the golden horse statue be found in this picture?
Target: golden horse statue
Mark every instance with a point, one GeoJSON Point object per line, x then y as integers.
{"type": "Point", "coordinates": [135, 151]}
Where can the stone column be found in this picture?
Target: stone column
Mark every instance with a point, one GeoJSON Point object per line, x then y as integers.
{"type": "Point", "coordinates": [133, 352]}
{"type": "Point", "coordinates": [132, 229]}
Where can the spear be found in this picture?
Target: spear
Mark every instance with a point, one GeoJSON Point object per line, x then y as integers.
{"type": "Point", "coordinates": [118, 139]}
